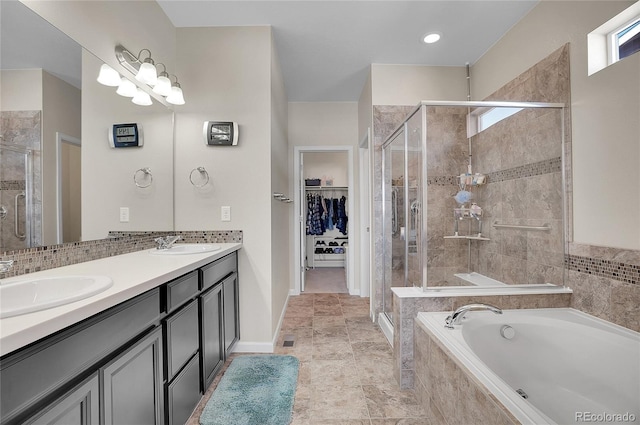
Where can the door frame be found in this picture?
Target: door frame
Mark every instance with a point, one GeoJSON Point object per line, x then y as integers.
{"type": "Point", "coordinates": [352, 232]}
{"type": "Point", "coordinates": [60, 139]}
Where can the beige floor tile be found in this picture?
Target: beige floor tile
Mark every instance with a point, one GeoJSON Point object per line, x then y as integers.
{"type": "Point", "coordinates": [339, 402]}
{"type": "Point", "coordinates": [328, 321]}
{"type": "Point", "coordinates": [388, 401]}
{"type": "Point", "coordinates": [330, 373]}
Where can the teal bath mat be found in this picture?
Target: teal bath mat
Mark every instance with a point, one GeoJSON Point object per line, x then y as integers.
{"type": "Point", "coordinates": [255, 390]}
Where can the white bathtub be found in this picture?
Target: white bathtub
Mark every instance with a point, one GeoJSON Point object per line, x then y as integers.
{"type": "Point", "coordinates": [574, 368]}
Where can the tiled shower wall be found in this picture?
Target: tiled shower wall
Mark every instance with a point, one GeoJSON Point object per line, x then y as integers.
{"type": "Point", "coordinates": [22, 129]}
{"type": "Point", "coordinates": [52, 256]}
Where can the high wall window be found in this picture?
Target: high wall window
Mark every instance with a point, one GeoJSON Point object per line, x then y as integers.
{"type": "Point", "coordinates": [614, 40]}
{"type": "Point", "coordinates": [624, 41]}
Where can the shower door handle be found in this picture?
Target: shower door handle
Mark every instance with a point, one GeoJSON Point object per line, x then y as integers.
{"type": "Point", "coordinates": [16, 220]}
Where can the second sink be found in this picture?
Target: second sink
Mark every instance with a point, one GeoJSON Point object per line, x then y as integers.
{"type": "Point", "coordinates": [186, 248]}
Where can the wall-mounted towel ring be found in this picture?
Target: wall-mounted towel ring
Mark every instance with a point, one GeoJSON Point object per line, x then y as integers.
{"type": "Point", "coordinates": [202, 171]}
{"type": "Point", "coordinates": [143, 174]}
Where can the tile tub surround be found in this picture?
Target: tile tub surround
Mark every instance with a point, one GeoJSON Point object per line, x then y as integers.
{"type": "Point", "coordinates": [406, 308]}
{"type": "Point", "coordinates": [605, 283]}
{"type": "Point", "coordinates": [52, 256]}
{"type": "Point", "coordinates": [448, 391]}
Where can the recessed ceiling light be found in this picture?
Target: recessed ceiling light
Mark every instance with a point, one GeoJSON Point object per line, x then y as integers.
{"type": "Point", "coordinates": [431, 37]}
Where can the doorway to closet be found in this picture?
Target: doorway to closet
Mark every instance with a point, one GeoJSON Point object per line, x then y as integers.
{"type": "Point", "coordinates": [323, 204]}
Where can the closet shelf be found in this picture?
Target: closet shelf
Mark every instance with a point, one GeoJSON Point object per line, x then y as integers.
{"type": "Point", "coordinates": [326, 188]}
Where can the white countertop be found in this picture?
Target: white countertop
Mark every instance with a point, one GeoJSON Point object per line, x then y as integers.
{"type": "Point", "coordinates": [132, 275]}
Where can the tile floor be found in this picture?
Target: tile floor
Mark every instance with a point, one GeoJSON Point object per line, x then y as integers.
{"type": "Point", "coordinates": [345, 375]}
{"type": "Point", "coordinates": [325, 280]}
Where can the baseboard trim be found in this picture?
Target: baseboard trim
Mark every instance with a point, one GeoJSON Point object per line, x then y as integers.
{"type": "Point", "coordinates": [253, 347]}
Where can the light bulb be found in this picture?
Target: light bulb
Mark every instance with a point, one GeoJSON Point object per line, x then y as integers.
{"type": "Point", "coordinates": [126, 88]}
{"type": "Point", "coordinates": [142, 98]}
{"type": "Point", "coordinates": [431, 38]}
{"type": "Point", "coordinates": [176, 97]}
{"type": "Point", "coordinates": [163, 86]}
{"type": "Point", "coordinates": [108, 76]}
{"type": "Point", "coordinates": [147, 73]}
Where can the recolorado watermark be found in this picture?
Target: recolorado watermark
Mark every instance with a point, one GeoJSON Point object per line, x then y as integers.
{"type": "Point", "coordinates": [605, 417]}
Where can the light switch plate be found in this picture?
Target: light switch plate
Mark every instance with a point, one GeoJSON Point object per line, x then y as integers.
{"type": "Point", "coordinates": [124, 214]}
{"type": "Point", "coordinates": [225, 213]}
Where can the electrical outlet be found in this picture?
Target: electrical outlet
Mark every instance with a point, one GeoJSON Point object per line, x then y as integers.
{"type": "Point", "coordinates": [225, 213]}
{"type": "Point", "coordinates": [124, 214]}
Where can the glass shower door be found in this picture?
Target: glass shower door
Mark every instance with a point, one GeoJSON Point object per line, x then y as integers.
{"type": "Point", "coordinates": [15, 197]}
{"type": "Point", "coordinates": [395, 223]}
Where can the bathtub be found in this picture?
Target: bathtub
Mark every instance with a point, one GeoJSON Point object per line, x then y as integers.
{"type": "Point", "coordinates": [572, 367]}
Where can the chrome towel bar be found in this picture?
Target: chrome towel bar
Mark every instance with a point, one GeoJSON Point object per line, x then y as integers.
{"type": "Point", "coordinates": [544, 227]}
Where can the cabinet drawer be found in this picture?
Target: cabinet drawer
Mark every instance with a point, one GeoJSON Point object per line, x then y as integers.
{"type": "Point", "coordinates": [181, 290]}
{"type": "Point", "coordinates": [183, 394]}
{"type": "Point", "coordinates": [219, 269]}
{"type": "Point", "coordinates": [182, 337]}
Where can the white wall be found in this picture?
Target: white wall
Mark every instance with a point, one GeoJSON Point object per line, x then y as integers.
{"type": "Point", "coordinates": [280, 225]}
{"type": "Point", "coordinates": [605, 111]}
{"type": "Point", "coordinates": [107, 173]}
{"type": "Point", "coordinates": [410, 84]}
{"type": "Point", "coordinates": [228, 70]}
{"type": "Point", "coordinates": [21, 90]}
{"type": "Point", "coordinates": [365, 111]}
{"type": "Point", "coordinates": [332, 165]}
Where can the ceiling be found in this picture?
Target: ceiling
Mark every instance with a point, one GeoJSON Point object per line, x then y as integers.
{"type": "Point", "coordinates": [324, 47]}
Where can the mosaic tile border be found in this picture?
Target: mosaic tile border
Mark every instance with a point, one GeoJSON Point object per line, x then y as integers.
{"type": "Point", "coordinates": [48, 257]}
{"type": "Point", "coordinates": [629, 273]}
{"type": "Point", "coordinates": [547, 166]}
{"type": "Point", "coordinates": [12, 185]}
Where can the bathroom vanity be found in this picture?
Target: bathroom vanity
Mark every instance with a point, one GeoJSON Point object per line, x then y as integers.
{"type": "Point", "coordinates": [143, 351]}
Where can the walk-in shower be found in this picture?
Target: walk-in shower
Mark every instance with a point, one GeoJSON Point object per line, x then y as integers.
{"type": "Point", "coordinates": [473, 194]}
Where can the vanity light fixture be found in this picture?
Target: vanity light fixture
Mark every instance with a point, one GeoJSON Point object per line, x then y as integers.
{"type": "Point", "coordinates": [145, 71]}
{"type": "Point", "coordinates": [108, 76]}
{"type": "Point", "coordinates": [176, 97]}
{"type": "Point", "coordinates": [431, 37]}
{"type": "Point", "coordinates": [126, 88]}
{"type": "Point", "coordinates": [142, 98]}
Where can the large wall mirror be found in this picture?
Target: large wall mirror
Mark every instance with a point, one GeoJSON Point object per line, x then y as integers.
{"type": "Point", "coordinates": [60, 181]}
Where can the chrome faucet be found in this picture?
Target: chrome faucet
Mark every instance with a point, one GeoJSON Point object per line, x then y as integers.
{"type": "Point", "coordinates": [167, 242]}
{"type": "Point", "coordinates": [5, 266]}
{"type": "Point", "coordinates": [456, 317]}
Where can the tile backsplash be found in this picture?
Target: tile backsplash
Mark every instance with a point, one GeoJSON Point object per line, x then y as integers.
{"type": "Point", "coordinates": [48, 257]}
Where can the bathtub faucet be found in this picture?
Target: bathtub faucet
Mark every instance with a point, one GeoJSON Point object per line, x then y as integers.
{"type": "Point", "coordinates": [456, 317]}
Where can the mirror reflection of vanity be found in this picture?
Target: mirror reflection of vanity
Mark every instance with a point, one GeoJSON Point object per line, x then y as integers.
{"type": "Point", "coordinates": [55, 121]}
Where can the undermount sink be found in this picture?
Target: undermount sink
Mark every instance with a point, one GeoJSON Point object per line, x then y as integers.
{"type": "Point", "coordinates": [26, 295]}
{"type": "Point", "coordinates": [186, 248]}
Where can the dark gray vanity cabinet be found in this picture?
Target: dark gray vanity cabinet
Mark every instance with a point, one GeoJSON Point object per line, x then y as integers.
{"type": "Point", "coordinates": [182, 348]}
{"type": "Point", "coordinates": [144, 361]}
{"type": "Point", "coordinates": [132, 384]}
{"type": "Point", "coordinates": [33, 379]}
{"type": "Point", "coordinates": [80, 406]}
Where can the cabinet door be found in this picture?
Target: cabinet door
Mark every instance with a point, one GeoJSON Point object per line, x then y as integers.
{"type": "Point", "coordinates": [78, 407]}
{"type": "Point", "coordinates": [181, 338]}
{"type": "Point", "coordinates": [211, 336]}
{"type": "Point", "coordinates": [231, 313]}
{"type": "Point", "coordinates": [183, 394]}
{"type": "Point", "coordinates": [133, 384]}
